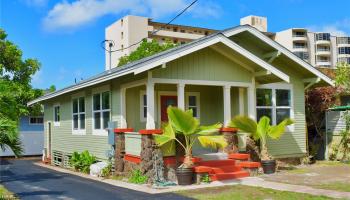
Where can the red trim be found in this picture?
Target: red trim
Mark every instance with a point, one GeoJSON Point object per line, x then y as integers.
{"type": "Point", "coordinates": [150, 131]}
{"type": "Point", "coordinates": [247, 164]}
{"type": "Point", "coordinates": [123, 130]}
{"type": "Point", "coordinates": [132, 158]}
{"type": "Point", "coordinates": [170, 160]}
{"type": "Point", "coordinates": [202, 169]}
{"type": "Point", "coordinates": [239, 156]}
{"type": "Point", "coordinates": [228, 129]}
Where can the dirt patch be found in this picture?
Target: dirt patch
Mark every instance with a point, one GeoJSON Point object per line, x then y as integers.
{"type": "Point", "coordinates": [326, 175]}
{"type": "Point", "coordinates": [246, 193]}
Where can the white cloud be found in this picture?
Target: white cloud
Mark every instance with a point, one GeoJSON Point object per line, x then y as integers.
{"type": "Point", "coordinates": [71, 15]}
{"type": "Point", "coordinates": [339, 28]}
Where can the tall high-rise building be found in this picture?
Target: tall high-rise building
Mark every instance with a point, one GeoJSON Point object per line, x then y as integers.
{"type": "Point", "coordinates": [318, 48]}
{"type": "Point", "coordinates": [131, 29]}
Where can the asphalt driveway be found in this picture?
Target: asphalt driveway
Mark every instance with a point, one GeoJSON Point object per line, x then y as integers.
{"type": "Point", "coordinates": [29, 181]}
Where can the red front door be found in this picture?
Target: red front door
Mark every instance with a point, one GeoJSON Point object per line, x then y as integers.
{"type": "Point", "coordinates": [165, 102]}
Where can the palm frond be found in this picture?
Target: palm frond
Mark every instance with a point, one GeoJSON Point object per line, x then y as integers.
{"type": "Point", "coordinates": [244, 124]}
{"type": "Point", "coordinates": [167, 136]}
{"type": "Point", "coordinates": [182, 121]}
{"type": "Point", "coordinates": [277, 131]}
{"type": "Point", "coordinates": [209, 130]}
{"type": "Point", "coordinates": [212, 141]}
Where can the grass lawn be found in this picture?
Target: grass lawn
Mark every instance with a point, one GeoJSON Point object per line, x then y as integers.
{"type": "Point", "coordinates": [339, 186]}
{"type": "Point", "coordinates": [5, 194]}
{"type": "Point", "coordinates": [242, 192]}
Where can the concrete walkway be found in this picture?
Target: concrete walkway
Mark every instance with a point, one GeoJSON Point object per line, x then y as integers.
{"type": "Point", "coordinates": [249, 181]}
{"type": "Point", "coordinates": [259, 182]}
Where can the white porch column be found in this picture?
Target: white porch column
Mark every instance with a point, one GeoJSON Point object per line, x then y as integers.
{"type": "Point", "coordinates": [241, 100]}
{"type": "Point", "coordinates": [181, 96]}
{"type": "Point", "coordinates": [251, 102]}
{"type": "Point", "coordinates": [123, 123]}
{"type": "Point", "coordinates": [227, 104]}
{"type": "Point", "coordinates": [150, 124]}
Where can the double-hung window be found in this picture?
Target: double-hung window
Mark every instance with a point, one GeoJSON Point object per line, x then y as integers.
{"type": "Point", "coordinates": [56, 115]}
{"type": "Point", "coordinates": [78, 115]}
{"type": "Point", "coordinates": [143, 106]}
{"type": "Point", "coordinates": [101, 111]}
{"type": "Point", "coordinates": [275, 103]}
{"type": "Point", "coordinates": [192, 102]}
{"type": "Point", "coordinates": [36, 120]}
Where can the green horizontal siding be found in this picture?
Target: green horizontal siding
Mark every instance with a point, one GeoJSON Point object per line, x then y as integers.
{"type": "Point", "coordinates": [206, 64]}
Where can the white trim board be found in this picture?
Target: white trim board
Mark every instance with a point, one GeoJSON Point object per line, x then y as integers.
{"type": "Point", "coordinates": [234, 31]}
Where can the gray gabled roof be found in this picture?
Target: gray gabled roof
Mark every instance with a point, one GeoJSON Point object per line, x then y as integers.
{"type": "Point", "coordinates": [123, 70]}
{"type": "Point", "coordinates": [130, 67]}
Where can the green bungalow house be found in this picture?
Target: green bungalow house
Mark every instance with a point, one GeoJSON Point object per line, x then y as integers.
{"type": "Point", "coordinates": [238, 71]}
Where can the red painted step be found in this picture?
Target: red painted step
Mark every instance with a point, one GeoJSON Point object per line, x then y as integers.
{"type": "Point", "coordinates": [239, 156]}
{"type": "Point", "coordinates": [247, 164]}
{"type": "Point", "coordinates": [226, 169]}
{"type": "Point", "coordinates": [227, 176]}
{"type": "Point", "coordinates": [216, 163]}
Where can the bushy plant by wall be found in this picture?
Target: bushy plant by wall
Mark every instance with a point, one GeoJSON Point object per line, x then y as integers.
{"type": "Point", "coordinates": [82, 161]}
{"type": "Point", "coordinates": [137, 177]}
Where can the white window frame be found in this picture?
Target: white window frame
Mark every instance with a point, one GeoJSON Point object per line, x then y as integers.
{"type": "Point", "coordinates": [78, 131]}
{"type": "Point", "coordinates": [100, 90]}
{"type": "Point", "coordinates": [142, 106]}
{"type": "Point", "coordinates": [274, 107]}
{"type": "Point", "coordinates": [57, 123]}
{"type": "Point", "coordinates": [187, 100]}
{"type": "Point", "coordinates": [35, 124]}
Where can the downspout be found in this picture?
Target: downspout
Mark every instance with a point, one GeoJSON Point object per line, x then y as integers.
{"type": "Point", "coordinates": [326, 138]}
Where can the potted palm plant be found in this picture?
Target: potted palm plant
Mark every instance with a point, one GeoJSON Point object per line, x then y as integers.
{"type": "Point", "coordinates": [261, 131]}
{"type": "Point", "coordinates": [182, 123]}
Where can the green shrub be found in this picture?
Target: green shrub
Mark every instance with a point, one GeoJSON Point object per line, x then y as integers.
{"type": "Point", "coordinates": [205, 178]}
{"type": "Point", "coordinates": [81, 162]}
{"type": "Point", "coordinates": [107, 170]}
{"type": "Point", "coordinates": [137, 177]}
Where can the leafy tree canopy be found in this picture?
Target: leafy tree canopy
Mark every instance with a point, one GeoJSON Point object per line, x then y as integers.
{"type": "Point", "coordinates": [146, 48]}
{"type": "Point", "coordinates": [16, 91]}
{"type": "Point", "coordinates": [342, 77]}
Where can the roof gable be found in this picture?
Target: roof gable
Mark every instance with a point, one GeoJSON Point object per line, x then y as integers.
{"type": "Point", "coordinates": [277, 46]}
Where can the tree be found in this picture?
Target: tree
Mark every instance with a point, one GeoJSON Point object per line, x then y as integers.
{"type": "Point", "coordinates": [342, 77]}
{"type": "Point", "coordinates": [182, 123]}
{"type": "Point", "coordinates": [261, 131]}
{"type": "Point", "coordinates": [146, 48]}
{"type": "Point", "coordinates": [16, 90]}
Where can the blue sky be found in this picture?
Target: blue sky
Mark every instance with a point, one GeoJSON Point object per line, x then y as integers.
{"type": "Point", "coordinates": [65, 35]}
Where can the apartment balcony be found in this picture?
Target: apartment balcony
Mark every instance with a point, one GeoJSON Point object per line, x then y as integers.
{"type": "Point", "coordinates": [173, 34]}
{"type": "Point", "coordinates": [343, 55]}
{"type": "Point", "coordinates": [323, 52]}
{"type": "Point", "coordinates": [343, 45]}
{"type": "Point", "coordinates": [323, 42]}
{"type": "Point", "coordinates": [323, 63]}
{"type": "Point", "coordinates": [300, 38]}
{"type": "Point", "coordinates": [300, 49]}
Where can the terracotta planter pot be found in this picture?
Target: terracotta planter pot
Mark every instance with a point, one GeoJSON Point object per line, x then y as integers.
{"type": "Point", "coordinates": [269, 166]}
{"type": "Point", "coordinates": [184, 176]}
